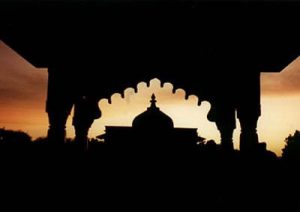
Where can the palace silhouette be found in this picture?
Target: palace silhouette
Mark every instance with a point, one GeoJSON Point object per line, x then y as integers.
{"type": "Point", "coordinates": [93, 49]}
{"type": "Point", "coordinates": [152, 129]}
{"type": "Point", "coordinates": [97, 48]}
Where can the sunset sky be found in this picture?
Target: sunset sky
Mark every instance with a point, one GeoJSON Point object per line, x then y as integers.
{"type": "Point", "coordinates": [23, 91]}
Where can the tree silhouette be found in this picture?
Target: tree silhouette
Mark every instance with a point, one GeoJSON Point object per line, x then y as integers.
{"type": "Point", "coordinates": [12, 137]}
{"type": "Point", "coordinates": [291, 151]}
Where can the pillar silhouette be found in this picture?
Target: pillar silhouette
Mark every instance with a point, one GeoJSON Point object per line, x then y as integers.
{"type": "Point", "coordinates": [58, 106]}
{"type": "Point", "coordinates": [249, 111]}
{"type": "Point", "coordinates": [85, 111]}
{"type": "Point", "coordinates": [226, 124]}
{"type": "Point", "coordinates": [248, 137]}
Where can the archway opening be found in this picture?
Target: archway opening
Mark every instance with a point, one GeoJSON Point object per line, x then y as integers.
{"type": "Point", "coordinates": [185, 112]}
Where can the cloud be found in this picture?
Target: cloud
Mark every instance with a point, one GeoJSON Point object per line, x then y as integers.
{"type": "Point", "coordinates": [19, 80]}
{"type": "Point", "coordinates": [286, 82]}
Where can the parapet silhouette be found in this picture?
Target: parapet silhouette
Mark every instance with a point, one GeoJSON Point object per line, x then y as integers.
{"type": "Point", "coordinates": [93, 49]}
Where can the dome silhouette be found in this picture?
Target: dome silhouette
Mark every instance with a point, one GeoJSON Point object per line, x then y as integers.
{"type": "Point", "coordinates": [152, 130]}
{"type": "Point", "coordinates": [153, 118]}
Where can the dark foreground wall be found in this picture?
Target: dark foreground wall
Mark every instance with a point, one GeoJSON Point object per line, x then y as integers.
{"type": "Point", "coordinates": [207, 180]}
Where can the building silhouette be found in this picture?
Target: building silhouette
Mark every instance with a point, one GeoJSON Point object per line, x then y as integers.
{"type": "Point", "coordinates": [97, 48]}
{"type": "Point", "coordinates": [151, 129]}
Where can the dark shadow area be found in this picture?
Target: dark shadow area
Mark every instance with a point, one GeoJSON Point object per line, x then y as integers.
{"type": "Point", "coordinates": [92, 49]}
{"type": "Point", "coordinates": [202, 177]}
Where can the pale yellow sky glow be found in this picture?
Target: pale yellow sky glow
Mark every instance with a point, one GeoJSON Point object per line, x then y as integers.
{"type": "Point", "coordinates": [185, 113]}
{"type": "Point", "coordinates": [23, 95]}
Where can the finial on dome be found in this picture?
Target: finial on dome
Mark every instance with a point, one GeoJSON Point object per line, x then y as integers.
{"type": "Point", "coordinates": [152, 118]}
{"type": "Point", "coordinates": [153, 101]}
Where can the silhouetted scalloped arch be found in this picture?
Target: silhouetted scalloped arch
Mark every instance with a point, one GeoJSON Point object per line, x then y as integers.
{"type": "Point", "coordinates": [187, 95]}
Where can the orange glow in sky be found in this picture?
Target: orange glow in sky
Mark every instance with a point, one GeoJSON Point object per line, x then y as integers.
{"type": "Point", "coordinates": [23, 91]}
